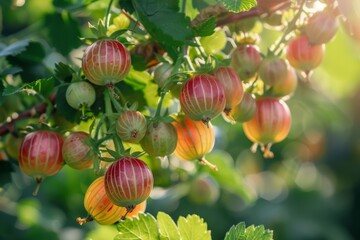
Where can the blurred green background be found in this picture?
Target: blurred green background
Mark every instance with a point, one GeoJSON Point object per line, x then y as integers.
{"type": "Point", "coordinates": [309, 191]}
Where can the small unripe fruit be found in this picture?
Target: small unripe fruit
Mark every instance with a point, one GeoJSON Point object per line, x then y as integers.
{"type": "Point", "coordinates": [131, 126]}
{"type": "Point", "coordinates": [287, 87]}
{"type": "Point", "coordinates": [160, 139]}
{"type": "Point", "coordinates": [244, 111]}
{"type": "Point", "coordinates": [106, 62]}
{"type": "Point", "coordinates": [162, 74]}
{"type": "Point", "coordinates": [40, 155]}
{"type": "Point", "coordinates": [128, 182]}
{"type": "Point", "coordinates": [245, 60]}
{"type": "Point", "coordinates": [204, 190]}
{"type": "Point", "coordinates": [76, 153]}
{"type": "Point", "coordinates": [273, 70]}
{"type": "Point", "coordinates": [202, 98]}
{"type": "Point", "coordinates": [80, 94]}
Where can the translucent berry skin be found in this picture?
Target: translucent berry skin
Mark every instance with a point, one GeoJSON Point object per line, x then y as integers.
{"type": "Point", "coordinates": [99, 205]}
{"type": "Point", "coordinates": [128, 182]}
{"type": "Point", "coordinates": [233, 86]}
{"type": "Point", "coordinates": [304, 56]}
{"type": "Point", "coordinates": [40, 154]}
{"type": "Point", "coordinates": [273, 70]}
{"type": "Point", "coordinates": [79, 94]}
{"type": "Point", "coordinates": [162, 74]}
{"type": "Point", "coordinates": [202, 98]}
{"type": "Point", "coordinates": [76, 153]}
{"type": "Point", "coordinates": [271, 122]}
{"type": "Point", "coordinates": [322, 27]}
{"type": "Point", "coordinates": [131, 126]}
{"type": "Point", "coordinates": [195, 139]}
{"type": "Point", "coordinates": [244, 111]}
{"type": "Point", "coordinates": [245, 60]}
{"type": "Point", "coordinates": [106, 62]}
{"type": "Point", "coordinates": [160, 139]}
{"type": "Point", "coordinates": [287, 87]}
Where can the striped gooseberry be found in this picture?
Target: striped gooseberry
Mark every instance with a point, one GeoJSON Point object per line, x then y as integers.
{"type": "Point", "coordinates": [40, 155]}
{"type": "Point", "coordinates": [270, 124]}
{"type": "Point", "coordinates": [98, 205]}
{"type": "Point", "coordinates": [304, 56]}
{"type": "Point", "coordinates": [244, 111]}
{"type": "Point", "coordinates": [76, 153]}
{"type": "Point", "coordinates": [128, 182]}
{"type": "Point", "coordinates": [160, 139]}
{"type": "Point", "coordinates": [273, 70]}
{"type": "Point", "coordinates": [131, 126]}
{"type": "Point", "coordinates": [245, 60]}
{"type": "Point", "coordinates": [106, 62]}
{"type": "Point", "coordinates": [202, 98]}
{"type": "Point", "coordinates": [322, 26]}
{"type": "Point", "coordinates": [195, 139]}
{"type": "Point", "coordinates": [233, 87]}
{"type": "Point", "coordinates": [287, 87]}
{"type": "Point", "coordinates": [162, 74]}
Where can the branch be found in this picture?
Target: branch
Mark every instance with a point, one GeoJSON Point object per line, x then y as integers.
{"type": "Point", "coordinates": [39, 109]}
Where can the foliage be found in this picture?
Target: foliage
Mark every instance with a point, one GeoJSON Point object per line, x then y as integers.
{"type": "Point", "coordinates": [42, 44]}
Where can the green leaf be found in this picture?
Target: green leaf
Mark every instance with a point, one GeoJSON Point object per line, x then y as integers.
{"type": "Point", "coordinates": [238, 5]}
{"type": "Point", "coordinates": [240, 232]}
{"type": "Point", "coordinates": [142, 228]}
{"type": "Point", "coordinates": [41, 86]}
{"type": "Point", "coordinates": [205, 28]}
{"type": "Point", "coordinates": [63, 72]}
{"type": "Point", "coordinates": [193, 228]}
{"type": "Point", "coordinates": [127, 6]}
{"type": "Point", "coordinates": [163, 21]}
{"type": "Point", "coordinates": [167, 227]}
{"type": "Point", "coordinates": [137, 79]}
{"type": "Point", "coordinates": [14, 49]}
{"type": "Point", "coordinates": [63, 30]}
{"type": "Point", "coordinates": [6, 168]}
{"type": "Point", "coordinates": [227, 177]}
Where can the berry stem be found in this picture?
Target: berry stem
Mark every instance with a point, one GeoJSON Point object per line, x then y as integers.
{"type": "Point", "coordinates": [81, 221]}
{"type": "Point", "coordinates": [158, 109]}
{"type": "Point", "coordinates": [207, 163]}
{"type": "Point", "coordinates": [38, 183]}
{"type": "Point", "coordinates": [291, 26]}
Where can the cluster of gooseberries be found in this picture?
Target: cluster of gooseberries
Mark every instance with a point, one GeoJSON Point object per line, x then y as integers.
{"type": "Point", "coordinates": [252, 89]}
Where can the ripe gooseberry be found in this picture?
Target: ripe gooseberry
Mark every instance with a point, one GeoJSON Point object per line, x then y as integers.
{"type": "Point", "coordinates": [106, 62]}
{"type": "Point", "coordinates": [76, 153]}
{"type": "Point", "coordinates": [270, 124]}
{"type": "Point", "coordinates": [202, 98]}
{"type": "Point", "coordinates": [245, 60]}
{"type": "Point", "coordinates": [195, 139]}
{"type": "Point", "coordinates": [40, 155]}
{"type": "Point", "coordinates": [128, 182]}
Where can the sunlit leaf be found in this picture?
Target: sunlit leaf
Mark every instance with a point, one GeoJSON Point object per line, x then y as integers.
{"type": "Point", "coordinates": [193, 228]}
{"type": "Point", "coordinates": [241, 232]}
{"type": "Point", "coordinates": [142, 228]}
{"type": "Point", "coordinates": [167, 227]}
{"type": "Point", "coordinates": [238, 5]}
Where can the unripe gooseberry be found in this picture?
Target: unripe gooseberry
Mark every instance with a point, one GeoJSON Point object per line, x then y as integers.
{"type": "Point", "coordinates": [80, 94]}
{"type": "Point", "coordinates": [131, 126]}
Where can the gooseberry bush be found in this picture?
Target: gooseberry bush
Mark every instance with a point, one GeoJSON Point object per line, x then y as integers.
{"type": "Point", "coordinates": [133, 91]}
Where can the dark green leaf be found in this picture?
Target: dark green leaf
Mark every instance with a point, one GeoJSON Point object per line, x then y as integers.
{"type": "Point", "coordinates": [63, 72]}
{"type": "Point", "coordinates": [64, 32]}
{"type": "Point", "coordinates": [5, 172]}
{"type": "Point", "coordinates": [14, 48]}
{"type": "Point", "coordinates": [205, 28]}
{"type": "Point", "coordinates": [31, 62]}
{"type": "Point", "coordinates": [238, 5]}
{"type": "Point", "coordinates": [240, 232]}
{"type": "Point", "coordinates": [127, 6]}
{"type": "Point", "coordinates": [163, 21]}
